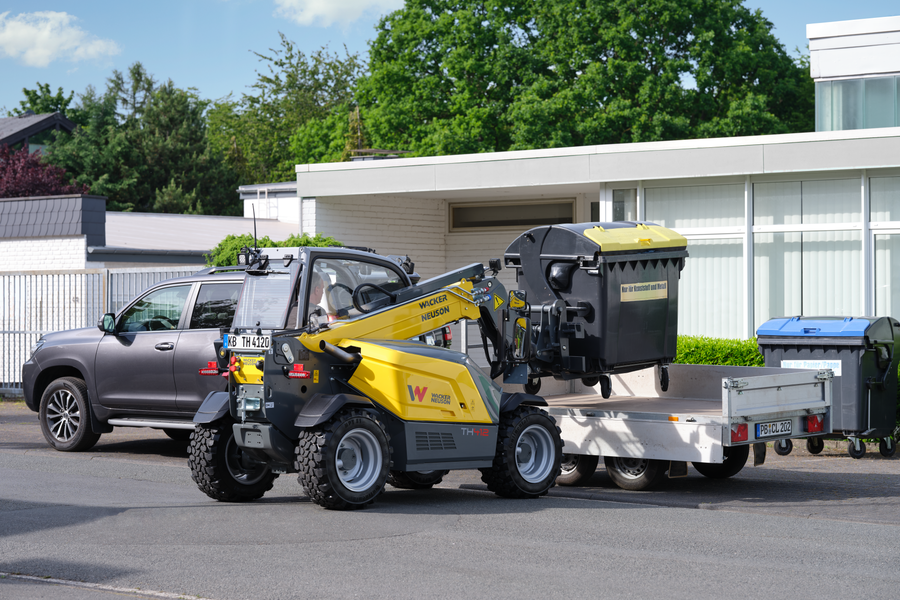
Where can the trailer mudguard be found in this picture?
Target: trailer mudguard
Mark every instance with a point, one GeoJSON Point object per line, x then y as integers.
{"type": "Point", "coordinates": [214, 407]}
{"type": "Point", "coordinates": [322, 407]}
{"type": "Point", "coordinates": [510, 401]}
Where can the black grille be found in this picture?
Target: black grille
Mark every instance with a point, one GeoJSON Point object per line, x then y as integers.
{"type": "Point", "coordinates": [433, 440]}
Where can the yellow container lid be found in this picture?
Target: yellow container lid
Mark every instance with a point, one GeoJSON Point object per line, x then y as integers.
{"type": "Point", "coordinates": [641, 237]}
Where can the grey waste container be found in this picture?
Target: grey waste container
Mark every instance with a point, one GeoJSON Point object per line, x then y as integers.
{"type": "Point", "coordinates": [861, 352]}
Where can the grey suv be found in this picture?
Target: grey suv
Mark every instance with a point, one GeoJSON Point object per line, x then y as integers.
{"type": "Point", "coordinates": [147, 366]}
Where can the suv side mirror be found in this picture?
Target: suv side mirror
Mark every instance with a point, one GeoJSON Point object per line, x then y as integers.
{"type": "Point", "coordinates": [107, 323]}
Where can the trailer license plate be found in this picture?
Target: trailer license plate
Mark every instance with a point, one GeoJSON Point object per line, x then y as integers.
{"type": "Point", "coordinates": [260, 343]}
{"type": "Point", "coordinates": [772, 429]}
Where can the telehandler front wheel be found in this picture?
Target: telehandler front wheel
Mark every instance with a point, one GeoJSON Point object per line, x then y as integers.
{"type": "Point", "coordinates": [529, 450]}
{"type": "Point", "coordinates": [415, 480]}
{"type": "Point", "coordinates": [221, 469]}
{"type": "Point", "coordinates": [344, 463]}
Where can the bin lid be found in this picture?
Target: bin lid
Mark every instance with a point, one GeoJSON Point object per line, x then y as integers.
{"type": "Point", "coordinates": [632, 235]}
{"type": "Point", "coordinates": [815, 327]}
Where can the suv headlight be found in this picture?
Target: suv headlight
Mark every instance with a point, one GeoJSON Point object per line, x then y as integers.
{"type": "Point", "coordinates": [37, 346]}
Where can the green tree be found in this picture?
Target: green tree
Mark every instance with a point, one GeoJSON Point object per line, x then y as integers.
{"type": "Point", "coordinates": [451, 76]}
{"type": "Point", "coordinates": [42, 101]}
{"type": "Point", "coordinates": [225, 253]}
{"type": "Point", "coordinates": [254, 132]}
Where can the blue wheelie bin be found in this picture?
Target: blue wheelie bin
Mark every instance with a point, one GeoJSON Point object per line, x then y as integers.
{"type": "Point", "coordinates": [861, 352]}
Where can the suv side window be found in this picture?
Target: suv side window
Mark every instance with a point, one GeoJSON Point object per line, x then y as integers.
{"type": "Point", "coordinates": [215, 305]}
{"type": "Point", "coordinates": [157, 311]}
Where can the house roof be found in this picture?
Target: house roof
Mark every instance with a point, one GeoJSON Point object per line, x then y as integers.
{"type": "Point", "coordinates": [15, 129]}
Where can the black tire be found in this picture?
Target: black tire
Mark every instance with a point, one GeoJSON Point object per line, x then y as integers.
{"type": "Point", "coordinates": [664, 378]}
{"type": "Point", "coordinates": [605, 386]}
{"type": "Point", "coordinates": [355, 437]}
{"type": "Point", "coordinates": [65, 417]}
{"type": "Point", "coordinates": [529, 450]}
{"type": "Point", "coordinates": [533, 386]}
{"type": "Point", "coordinates": [576, 469]}
{"type": "Point", "coordinates": [635, 474]}
{"type": "Point", "coordinates": [735, 459]}
{"type": "Point", "coordinates": [415, 480]}
{"type": "Point", "coordinates": [179, 435]}
{"type": "Point", "coordinates": [884, 450]}
{"type": "Point", "coordinates": [815, 445]}
{"type": "Point", "coordinates": [851, 450]}
{"type": "Point", "coordinates": [221, 469]}
{"type": "Point", "coordinates": [783, 447]}
{"type": "Point", "coordinates": [590, 381]}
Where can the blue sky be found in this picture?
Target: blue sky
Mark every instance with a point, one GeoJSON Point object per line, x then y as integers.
{"type": "Point", "coordinates": [206, 44]}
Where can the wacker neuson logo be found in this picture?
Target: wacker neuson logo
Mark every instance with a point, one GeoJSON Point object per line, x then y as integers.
{"type": "Point", "coordinates": [418, 395]}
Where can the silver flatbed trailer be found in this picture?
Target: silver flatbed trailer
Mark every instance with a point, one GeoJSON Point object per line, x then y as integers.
{"type": "Point", "coordinates": [710, 416]}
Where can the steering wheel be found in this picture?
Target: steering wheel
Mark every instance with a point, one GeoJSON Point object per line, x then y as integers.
{"type": "Point", "coordinates": [334, 297]}
{"type": "Point", "coordinates": [356, 293]}
{"type": "Point", "coordinates": [161, 323]}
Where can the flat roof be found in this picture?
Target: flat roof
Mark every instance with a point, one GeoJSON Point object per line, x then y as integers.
{"type": "Point", "coordinates": [854, 27]}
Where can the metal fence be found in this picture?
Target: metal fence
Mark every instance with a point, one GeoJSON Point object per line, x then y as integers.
{"type": "Point", "coordinates": [35, 303]}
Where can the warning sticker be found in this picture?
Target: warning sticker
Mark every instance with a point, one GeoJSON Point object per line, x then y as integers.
{"type": "Point", "coordinates": [638, 292]}
{"type": "Point", "coordinates": [498, 301]}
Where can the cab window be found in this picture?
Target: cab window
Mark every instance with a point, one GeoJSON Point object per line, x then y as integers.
{"type": "Point", "coordinates": [215, 305]}
{"type": "Point", "coordinates": [333, 280]}
{"type": "Point", "coordinates": [159, 310]}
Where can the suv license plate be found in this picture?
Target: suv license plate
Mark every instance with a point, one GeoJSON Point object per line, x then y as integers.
{"type": "Point", "coordinates": [259, 343]}
{"type": "Point", "coordinates": [772, 429]}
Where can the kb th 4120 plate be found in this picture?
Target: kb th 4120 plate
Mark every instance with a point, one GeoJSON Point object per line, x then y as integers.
{"type": "Point", "coordinates": [237, 341]}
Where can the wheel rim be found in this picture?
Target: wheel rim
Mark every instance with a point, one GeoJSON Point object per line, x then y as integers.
{"type": "Point", "coordinates": [631, 468]}
{"type": "Point", "coordinates": [242, 467]}
{"type": "Point", "coordinates": [568, 464]}
{"type": "Point", "coordinates": [358, 460]}
{"type": "Point", "coordinates": [534, 454]}
{"type": "Point", "coordinates": [63, 415]}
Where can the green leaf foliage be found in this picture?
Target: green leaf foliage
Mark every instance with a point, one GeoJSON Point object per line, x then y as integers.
{"type": "Point", "coordinates": [699, 350]}
{"type": "Point", "coordinates": [42, 101]}
{"type": "Point", "coordinates": [225, 253]}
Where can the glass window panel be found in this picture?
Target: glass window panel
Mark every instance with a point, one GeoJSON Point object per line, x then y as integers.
{"type": "Point", "coordinates": [215, 305]}
{"type": "Point", "coordinates": [157, 311]}
{"type": "Point", "coordinates": [776, 203]}
{"type": "Point", "coordinates": [832, 273]}
{"type": "Point", "coordinates": [595, 212]}
{"type": "Point", "coordinates": [625, 205]}
{"type": "Point", "coordinates": [823, 106]}
{"type": "Point", "coordinates": [887, 287]}
{"type": "Point", "coordinates": [696, 206]}
{"type": "Point", "coordinates": [884, 198]}
{"type": "Point", "coordinates": [509, 215]}
{"type": "Point", "coordinates": [847, 104]}
{"type": "Point", "coordinates": [831, 201]}
{"type": "Point", "coordinates": [710, 294]}
{"type": "Point", "coordinates": [777, 283]}
{"type": "Point", "coordinates": [880, 102]}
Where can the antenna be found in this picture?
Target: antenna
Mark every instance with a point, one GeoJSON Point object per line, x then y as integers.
{"type": "Point", "coordinates": [255, 244]}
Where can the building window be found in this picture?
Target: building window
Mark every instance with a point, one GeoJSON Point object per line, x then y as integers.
{"type": "Point", "coordinates": [691, 207]}
{"type": "Point", "coordinates": [884, 194]}
{"type": "Point", "coordinates": [624, 206]}
{"type": "Point", "coordinates": [857, 103]}
{"type": "Point", "coordinates": [711, 291]}
{"type": "Point", "coordinates": [513, 215]}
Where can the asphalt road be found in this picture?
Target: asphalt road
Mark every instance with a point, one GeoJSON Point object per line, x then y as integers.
{"type": "Point", "coordinates": [126, 520]}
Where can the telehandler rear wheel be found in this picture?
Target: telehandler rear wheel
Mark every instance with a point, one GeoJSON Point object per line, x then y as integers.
{"type": "Point", "coordinates": [344, 463]}
{"type": "Point", "coordinates": [415, 480]}
{"type": "Point", "coordinates": [529, 450]}
{"type": "Point", "coordinates": [221, 469]}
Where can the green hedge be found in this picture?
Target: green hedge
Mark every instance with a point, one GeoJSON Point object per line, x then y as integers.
{"type": "Point", "coordinates": [225, 254]}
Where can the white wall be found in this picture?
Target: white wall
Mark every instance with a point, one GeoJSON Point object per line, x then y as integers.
{"type": "Point", "coordinates": [43, 254]}
{"type": "Point", "coordinates": [860, 48]}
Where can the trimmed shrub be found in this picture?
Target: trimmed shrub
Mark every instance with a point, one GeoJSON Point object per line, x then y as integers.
{"type": "Point", "coordinates": [699, 350]}
{"type": "Point", "coordinates": [225, 254]}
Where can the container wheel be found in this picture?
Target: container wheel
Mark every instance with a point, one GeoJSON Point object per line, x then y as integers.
{"type": "Point", "coordinates": [344, 463]}
{"type": "Point", "coordinates": [815, 445]}
{"type": "Point", "coordinates": [735, 459]}
{"type": "Point", "coordinates": [529, 450]}
{"type": "Point", "coordinates": [635, 474]}
{"type": "Point", "coordinates": [221, 469]}
{"type": "Point", "coordinates": [783, 447]}
{"type": "Point", "coordinates": [853, 451]}
{"type": "Point", "coordinates": [533, 386]}
{"type": "Point", "coordinates": [887, 447]}
{"type": "Point", "coordinates": [664, 378]}
{"type": "Point", "coordinates": [590, 381]}
{"type": "Point", "coordinates": [415, 480]}
{"type": "Point", "coordinates": [577, 469]}
{"type": "Point", "coordinates": [605, 386]}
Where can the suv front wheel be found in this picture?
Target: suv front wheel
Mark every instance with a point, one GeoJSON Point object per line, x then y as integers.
{"type": "Point", "coordinates": [65, 420]}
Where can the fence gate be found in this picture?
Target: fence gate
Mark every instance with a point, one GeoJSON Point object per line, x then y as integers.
{"type": "Point", "coordinates": [39, 302]}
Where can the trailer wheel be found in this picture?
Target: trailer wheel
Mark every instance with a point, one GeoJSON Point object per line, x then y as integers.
{"type": "Point", "coordinates": [344, 463]}
{"type": "Point", "coordinates": [605, 386]}
{"type": "Point", "coordinates": [783, 447]}
{"type": "Point", "coordinates": [634, 474]}
{"type": "Point", "coordinates": [853, 452]}
{"type": "Point", "coordinates": [415, 480]}
{"type": "Point", "coordinates": [887, 447]}
{"type": "Point", "coordinates": [221, 469]}
{"type": "Point", "coordinates": [735, 459]}
{"type": "Point", "coordinates": [64, 416]}
{"type": "Point", "coordinates": [815, 445]}
{"type": "Point", "coordinates": [576, 469]}
{"type": "Point", "coordinates": [529, 450]}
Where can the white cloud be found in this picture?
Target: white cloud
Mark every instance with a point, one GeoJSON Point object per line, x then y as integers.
{"type": "Point", "coordinates": [327, 12]}
{"type": "Point", "coordinates": [39, 38]}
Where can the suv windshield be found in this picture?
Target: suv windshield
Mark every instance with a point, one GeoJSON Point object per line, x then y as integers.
{"type": "Point", "coordinates": [264, 301]}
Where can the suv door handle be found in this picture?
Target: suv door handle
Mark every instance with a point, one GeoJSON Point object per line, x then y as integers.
{"type": "Point", "coordinates": [165, 346]}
